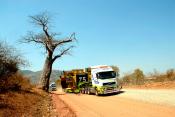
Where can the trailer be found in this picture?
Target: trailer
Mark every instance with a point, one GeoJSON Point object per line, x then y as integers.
{"type": "Point", "coordinates": [96, 80]}
{"type": "Point", "coordinates": [71, 81]}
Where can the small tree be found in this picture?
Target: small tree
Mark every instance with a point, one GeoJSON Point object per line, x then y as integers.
{"type": "Point", "coordinates": [9, 65]}
{"type": "Point", "coordinates": [138, 77]}
{"type": "Point", "coordinates": [127, 79]}
{"type": "Point", "coordinates": [170, 74]}
{"type": "Point", "coordinates": [50, 42]}
{"type": "Point", "coordinates": [9, 60]}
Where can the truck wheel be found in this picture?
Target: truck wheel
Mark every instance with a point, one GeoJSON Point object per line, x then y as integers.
{"type": "Point", "coordinates": [83, 92]}
{"type": "Point", "coordinates": [96, 93]}
{"type": "Point", "coordinates": [88, 92]}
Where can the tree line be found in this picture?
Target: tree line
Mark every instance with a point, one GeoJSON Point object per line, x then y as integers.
{"type": "Point", "coordinates": [139, 78]}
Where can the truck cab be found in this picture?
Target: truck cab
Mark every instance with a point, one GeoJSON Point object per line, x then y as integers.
{"type": "Point", "coordinates": [103, 80]}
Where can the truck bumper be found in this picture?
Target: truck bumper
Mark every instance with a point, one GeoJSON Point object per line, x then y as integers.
{"type": "Point", "coordinates": [110, 91]}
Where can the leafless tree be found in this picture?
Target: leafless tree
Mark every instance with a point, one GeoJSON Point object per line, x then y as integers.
{"type": "Point", "coordinates": [55, 47]}
{"type": "Point", "coordinates": [9, 60]}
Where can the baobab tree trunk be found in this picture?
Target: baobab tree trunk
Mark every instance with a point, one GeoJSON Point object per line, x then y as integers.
{"type": "Point", "coordinates": [45, 78]}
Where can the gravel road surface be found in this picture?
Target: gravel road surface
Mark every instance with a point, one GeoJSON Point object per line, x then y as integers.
{"type": "Point", "coordinates": [158, 96]}
{"type": "Point", "coordinates": [130, 103]}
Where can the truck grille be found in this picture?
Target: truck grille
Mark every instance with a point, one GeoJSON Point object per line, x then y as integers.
{"type": "Point", "coordinates": [109, 83]}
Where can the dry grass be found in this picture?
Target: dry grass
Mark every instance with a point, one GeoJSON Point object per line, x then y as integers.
{"type": "Point", "coordinates": [33, 103]}
{"type": "Point", "coordinates": [154, 85]}
{"type": "Point", "coordinates": [19, 99]}
{"type": "Point", "coordinates": [15, 82]}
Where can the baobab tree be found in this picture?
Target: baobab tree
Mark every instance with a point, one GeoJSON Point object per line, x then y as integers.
{"type": "Point", "coordinates": [55, 47]}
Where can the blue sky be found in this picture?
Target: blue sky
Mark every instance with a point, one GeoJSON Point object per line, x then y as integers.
{"type": "Point", "coordinates": [128, 33]}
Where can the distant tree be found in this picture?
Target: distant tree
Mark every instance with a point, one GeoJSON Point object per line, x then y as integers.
{"type": "Point", "coordinates": [127, 79]}
{"type": "Point", "coordinates": [116, 69]}
{"type": "Point", "coordinates": [138, 77]}
{"type": "Point", "coordinates": [170, 74]}
{"type": "Point", "coordinates": [55, 47]}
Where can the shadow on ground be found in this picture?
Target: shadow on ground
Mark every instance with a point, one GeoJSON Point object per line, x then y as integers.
{"type": "Point", "coordinates": [56, 93]}
{"type": "Point", "coordinates": [101, 95]}
{"type": "Point", "coordinates": [112, 94]}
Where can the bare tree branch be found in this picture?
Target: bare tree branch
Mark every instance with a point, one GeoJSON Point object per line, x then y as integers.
{"type": "Point", "coordinates": [63, 52]}
{"type": "Point", "coordinates": [36, 38]}
{"type": "Point", "coordinates": [41, 19]}
{"type": "Point", "coordinates": [63, 41]}
{"type": "Point", "coordinates": [53, 34]}
{"type": "Point", "coordinates": [31, 37]}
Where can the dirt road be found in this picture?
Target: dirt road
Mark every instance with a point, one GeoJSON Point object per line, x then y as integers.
{"type": "Point", "coordinates": [145, 104]}
{"type": "Point", "coordinates": [158, 96]}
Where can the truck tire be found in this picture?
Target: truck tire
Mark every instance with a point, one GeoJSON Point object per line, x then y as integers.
{"type": "Point", "coordinates": [83, 91]}
{"type": "Point", "coordinates": [88, 92]}
{"type": "Point", "coordinates": [96, 93]}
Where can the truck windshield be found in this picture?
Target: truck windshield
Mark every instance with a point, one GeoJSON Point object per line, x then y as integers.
{"type": "Point", "coordinates": [106, 75]}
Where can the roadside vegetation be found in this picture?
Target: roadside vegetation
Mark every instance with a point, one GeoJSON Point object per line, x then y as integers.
{"type": "Point", "coordinates": [10, 61]}
{"type": "Point", "coordinates": [155, 78]}
{"type": "Point", "coordinates": [17, 96]}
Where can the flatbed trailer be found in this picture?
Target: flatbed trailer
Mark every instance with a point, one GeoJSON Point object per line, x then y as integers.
{"type": "Point", "coordinates": [93, 80]}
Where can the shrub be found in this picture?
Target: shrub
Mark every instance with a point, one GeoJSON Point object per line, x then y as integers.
{"type": "Point", "coordinates": [126, 79]}
{"type": "Point", "coordinates": [170, 74]}
{"type": "Point", "coordinates": [15, 82]}
{"type": "Point", "coordinates": [10, 79]}
{"type": "Point", "coordinates": [138, 77]}
{"type": "Point", "coordinates": [135, 78]}
{"type": "Point", "coordinates": [9, 60]}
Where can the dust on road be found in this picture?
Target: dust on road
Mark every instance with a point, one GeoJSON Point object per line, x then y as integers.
{"type": "Point", "coordinates": [159, 96]}
{"type": "Point", "coordinates": [117, 105]}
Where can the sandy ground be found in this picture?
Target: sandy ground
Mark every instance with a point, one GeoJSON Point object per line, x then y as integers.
{"type": "Point", "coordinates": [158, 96]}
{"type": "Point", "coordinates": [130, 103]}
{"type": "Point", "coordinates": [63, 110]}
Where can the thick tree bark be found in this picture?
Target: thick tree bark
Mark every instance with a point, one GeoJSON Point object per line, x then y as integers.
{"type": "Point", "coordinates": [45, 78]}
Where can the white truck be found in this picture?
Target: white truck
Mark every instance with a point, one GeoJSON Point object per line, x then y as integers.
{"type": "Point", "coordinates": [97, 80]}
{"type": "Point", "coordinates": [103, 80]}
